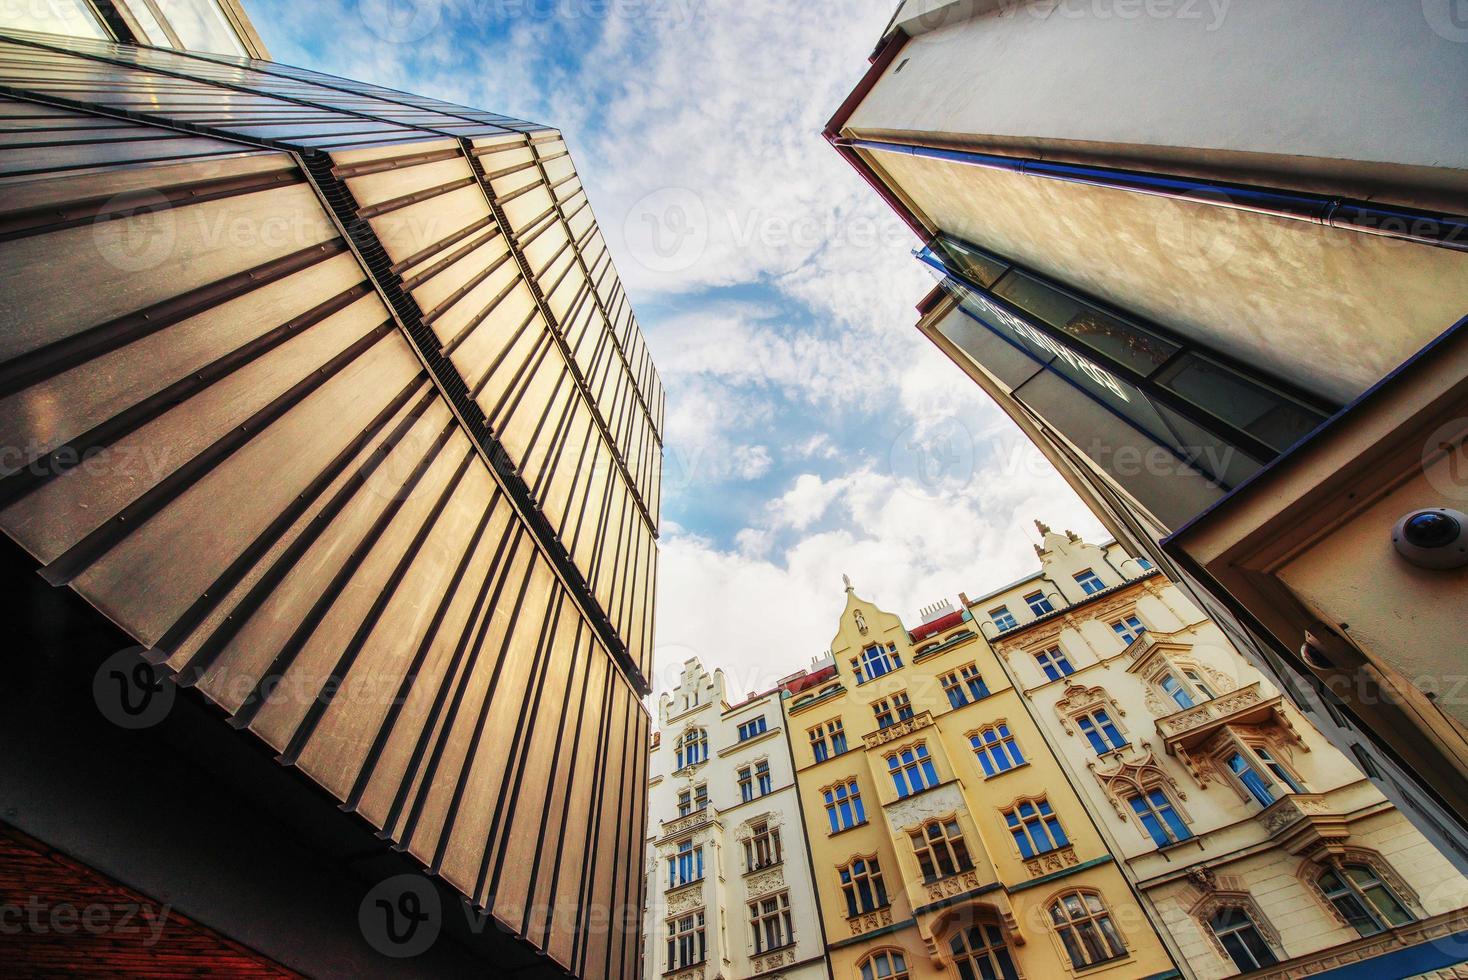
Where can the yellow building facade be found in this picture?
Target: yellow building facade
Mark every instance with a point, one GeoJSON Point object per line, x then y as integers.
{"type": "Point", "coordinates": [945, 837]}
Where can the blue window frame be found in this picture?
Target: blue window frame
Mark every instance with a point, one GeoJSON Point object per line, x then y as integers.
{"type": "Point", "coordinates": [1089, 582]}
{"type": "Point", "coordinates": [1039, 605]}
{"type": "Point", "coordinates": [1277, 769]}
{"type": "Point", "coordinates": [1159, 818]}
{"type": "Point", "coordinates": [1054, 663]}
{"type": "Point", "coordinates": [1175, 690]}
{"type": "Point", "coordinates": [1003, 618]}
{"type": "Point", "coordinates": [693, 746]}
{"type": "Point", "coordinates": [1035, 827]}
{"type": "Point", "coordinates": [844, 807]}
{"type": "Point", "coordinates": [1144, 564]}
{"type": "Point", "coordinates": [751, 728]}
{"type": "Point", "coordinates": [1101, 731]}
{"type": "Point", "coordinates": [1250, 778]}
{"type": "Point", "coordinates": [964, 685]}
{"type": "Point", "coordinates": [875, 661]}
{"type": "Point", "coordinates": [996, 750]}
{"type": "Point", "coordinates": [1129, 628]}
{"type": "Point", "coordinates": [912, 770]}
{"type": "Point", "coordinates": [686, 865]}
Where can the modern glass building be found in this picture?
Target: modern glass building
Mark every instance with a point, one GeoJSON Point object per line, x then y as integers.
{"type": "Point", "coordinates": [324, 403]}
{"type": "Point", "coordinates": [1217, 273]}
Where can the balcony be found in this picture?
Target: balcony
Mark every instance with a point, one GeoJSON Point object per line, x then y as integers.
{"type": "Point", "coordinates": [678, 826]}
{"type": "Point", "coordinates": [1190, 727]}
{"type": "Point", "coordinates": [1303, 824]}
{"type": "Point", "coordinates": [867, 921]}
{"type": "Point", "coordinates": [898, 730]}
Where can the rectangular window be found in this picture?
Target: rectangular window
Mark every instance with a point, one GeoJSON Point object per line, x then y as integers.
{"type": "Point", "coordinates": [1250, 778]}
{"type": "Point", "coordinates": [1145, 565]}
{"type": "Point", "coordinates": [843, 806]}
{"type": "Point", "coordinates": [1035, 827]}
{"type": "Point", "coordinates": [746, 783]}
{"type": "Point", "coordinates": [875, 661]}
{"type": "Point", "coordinates": [1277, 769]}
{"type": "Point", "coordinates": [940, 850]}
{"type": "Point", "coordinates": [964, 685]}
{"type": "Point", "coordinates": [1174, 688]}
{"type": "Point", "coordinates": [1199, 684]}
{"type": "Point", "coordinates": [762, 850]}
{"type": "Point", "coordinates": [751, 728]}
{"type": "Point", "coordinates": [912, 770]}
{"type": "Point", "coordinates": [685, 802]}
{"type": "Point", "coordinates": [995, 749]}
{"type": "Point", "coordinates": [690, 800]}
{"type": "Point", "coordinates": [686, 865]}
{"type": "Point", "coordinates": [762, 776]}
{"type": "Point", "coordinates": [1089, 582]}
{"type": "Point", "coordinates": [1100, 731]}
{"type": "Point", "coordinates": [827, 740]}
{"type": "Point", "coordinates": [1039, 605]}
{"type": "Point", "coordinates": [1128, 628]}
{"type": "Point", "coordinates": [1159, 818]}
{"type": "Point", "coordinates": [769, 918]}
{"type": "Point", "coordinates": [889, 711]}
{"type": "Point", "coordinates": [1003, 618]}
{"type": "Point", "coordinates": [686, 946]}
{"type": "Point", "coordinates": [1054, 663]}
{"type": "Point", "coordinates": [1241, 938]}
{"type": "Point", "coordinates": [861, 883]}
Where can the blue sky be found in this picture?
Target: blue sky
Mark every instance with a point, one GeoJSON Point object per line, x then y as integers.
{"type": "Point", "coordinates": [811, 430]}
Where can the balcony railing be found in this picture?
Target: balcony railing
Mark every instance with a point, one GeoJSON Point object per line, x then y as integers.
{"type": "Point", "coordinates": [688, 822]}
{"type": "Point", "coordinates": [899, 729]}
{"type": "Point", "coordinates": [1246, 705]}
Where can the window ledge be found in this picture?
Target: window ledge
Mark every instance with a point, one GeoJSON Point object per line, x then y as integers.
{"type": "Point", "coordinates": [1004, 772]}
{"type": "Point", "coordinates": [922, 792]}
{"type": "Point", "coordinates": [764, 867]}
{"type": "Point", "coordinates": [847, 830]}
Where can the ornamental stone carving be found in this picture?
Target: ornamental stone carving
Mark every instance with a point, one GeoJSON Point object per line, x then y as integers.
{"type": "Point", "coordinates": [1137, 770]}
{"type": "Point", "coordinates": [910, 813]}
{"type": "Point", "coordinates": [964, 881]}
{"type": "Point", "coordinates": [686, 899]}
{"type": "Point", "coordinates": [868, 921]}
{"type": "Point", "coordinates": [1052, 861]}
{"type": "Point", "coordinates": [765, 881]}
{"type": "Point", "coordinates": [773, 961]}
{"type": "Point", "coordinates": [692, 973]}
{"type": "Point", "coordinates": [1078, 699]}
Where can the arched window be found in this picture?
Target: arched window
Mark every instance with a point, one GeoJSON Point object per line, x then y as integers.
{"type": "Point", "coordinates": [1086, 929]}
{"type": "Point", "coordinates": [1241, 939]}
{"type": "Point", "coordinates": [1363, 899]}
{"type": "Point", "coordinates": [912, 770]}
{"type": "Point", "coordinates": [940, 849]}
{"type": "Point", "coordinates": [861, 883]}
{"type": "Point", "coordinates": [693, 747]}
{"type": "Point", "coordinates": [995, 749]}
{"type": "Point", "coordinates": [980, 953]}
{"type": "Point", "coordinates": [884, 964]}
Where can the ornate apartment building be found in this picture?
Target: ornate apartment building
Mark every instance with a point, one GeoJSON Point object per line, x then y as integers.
{"type": "Point", "coordinates": [945, 837]}
{"type": "Point", "coordinates": [1255, 845]}
{"type": "Point", "coordinates": [729, 884]}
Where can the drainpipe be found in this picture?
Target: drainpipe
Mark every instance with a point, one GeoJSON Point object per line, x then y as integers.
{"type": "Point", "coordinates": [1389, 221]}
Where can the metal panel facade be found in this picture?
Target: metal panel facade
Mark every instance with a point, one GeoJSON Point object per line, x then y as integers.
{"type": "Point", "coordinates": [330, 396]}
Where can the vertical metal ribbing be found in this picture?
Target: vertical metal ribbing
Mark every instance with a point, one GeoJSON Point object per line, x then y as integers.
{"type": "Point", "coordinates": [389, 284]}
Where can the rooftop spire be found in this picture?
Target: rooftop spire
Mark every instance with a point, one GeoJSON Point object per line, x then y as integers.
{"type": "Point", "coordinates": [847, 579]}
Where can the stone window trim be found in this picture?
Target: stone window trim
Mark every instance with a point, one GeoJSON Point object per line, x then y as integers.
{"type": "Point", "coordinates": [920, 828]}
{"type": "Point", "coordinates": [1080, 700]}
{"type": "Point", "coordinates": [1240, 738]}
{"type": "Point", "coordinates": [994, 726]}
{"type": "Point", "coordinates": [891, 952]}
{"type": "Point", "coordinates": [1159, 702]}
{"type": "Point", "coordinates": [1142, 772]}
{"type": "Point", "coordinates": [1225, 892]}
{"type": "Point", "coordinates": [1309, 870]}
{"type": "Point", "coordinates": [957, 917]}
{"type": "Point", "coordinates": [1062, 956]}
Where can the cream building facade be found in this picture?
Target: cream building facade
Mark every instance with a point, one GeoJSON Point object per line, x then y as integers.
{"type": "Point", "coordinates": [729, 884]}
{"type": "Point", "coordinates": [1254, 843]}
{"type": "Point", "coordinates": [945, 838]}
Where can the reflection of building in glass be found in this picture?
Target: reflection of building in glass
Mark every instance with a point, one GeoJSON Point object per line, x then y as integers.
{"type": "Point", "coordinates": [329, 397]}
{"type": "Point", "coordinates": [1234, 322]}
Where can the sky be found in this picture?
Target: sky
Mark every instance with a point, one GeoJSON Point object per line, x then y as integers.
{"type": "Point", "coordinates": [811, 431]}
